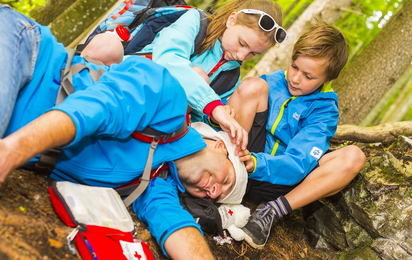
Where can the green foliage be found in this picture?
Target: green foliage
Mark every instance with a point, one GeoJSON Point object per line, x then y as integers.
{"type": "Point", "coordinates": [408, 116]}
{"type": "Point", "coordinates": [360, 24]}
{"type": "Point", "coordinates": [24, 6]}
{"type": "Point", "coordinates": [364, 21]}
{"type": "Point", "coordinates": [386, 108]}
{"type": "Point", "coordinates": [291, 9]}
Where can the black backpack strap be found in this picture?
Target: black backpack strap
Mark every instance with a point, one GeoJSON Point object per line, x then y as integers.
{"type": "Point", "coordinates": [155, 24]}
{"type": "Point", "coordinates": [201, 35]}
{"type": "Point", "coordinates": [154, 4]}
{"type": "Point", "coordinates": [225, 81]}
{"type": "Point", "coordinates": [47, 161]}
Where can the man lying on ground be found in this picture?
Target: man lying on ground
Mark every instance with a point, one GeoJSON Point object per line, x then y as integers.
{"type": "Point", "coordinates": [96, 127]}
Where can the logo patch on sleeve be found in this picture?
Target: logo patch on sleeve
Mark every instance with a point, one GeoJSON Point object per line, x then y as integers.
{"type": "Point", "coordinates": [316, 152]}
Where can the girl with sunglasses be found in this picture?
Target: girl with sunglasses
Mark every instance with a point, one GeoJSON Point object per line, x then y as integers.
{"type": "Point", "coordinates": [236, 31]}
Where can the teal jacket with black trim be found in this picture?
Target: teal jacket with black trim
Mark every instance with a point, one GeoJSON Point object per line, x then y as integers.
{"type": "Point", "coordinates": [298, 132]}
{"type": "Point", "coordinates": [172, 49]}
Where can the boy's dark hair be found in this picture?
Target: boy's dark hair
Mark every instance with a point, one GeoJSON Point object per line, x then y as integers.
{"type": "Point", "coordinates": [323, 41]}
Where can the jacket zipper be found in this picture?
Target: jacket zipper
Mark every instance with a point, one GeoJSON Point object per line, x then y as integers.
{"type": "Point", "coordinates": [272, 131]}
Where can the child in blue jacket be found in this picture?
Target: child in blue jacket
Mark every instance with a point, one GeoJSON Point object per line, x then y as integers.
{"type": "Point", "coordinates": [291, 119]}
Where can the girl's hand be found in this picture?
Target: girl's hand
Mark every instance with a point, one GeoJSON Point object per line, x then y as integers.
{"type": "Point", "coordinates": [231, 112]}
{"type": "Point", "coordinates": [237, 134]}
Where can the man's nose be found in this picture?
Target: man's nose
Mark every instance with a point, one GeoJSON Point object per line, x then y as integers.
{"type": "Point", "coordinates": [214, 191]}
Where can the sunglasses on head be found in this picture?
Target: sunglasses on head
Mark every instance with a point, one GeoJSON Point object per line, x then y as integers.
{"type": "Point", "coordinates": [267, 23]}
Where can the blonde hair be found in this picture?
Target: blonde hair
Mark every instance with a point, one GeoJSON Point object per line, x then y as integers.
{"type": "Point", "coordinates": [218, 19]}
{"type": "Point", "coordinates": [323, 41]}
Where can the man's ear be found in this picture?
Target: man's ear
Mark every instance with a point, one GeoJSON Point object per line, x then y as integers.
{"type": "Point", "coordinates": [231, 20]}
{"type": "Point", "coordinates": [221, 146]}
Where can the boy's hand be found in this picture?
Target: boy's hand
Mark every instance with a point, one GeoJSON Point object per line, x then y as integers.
{"type": "Point", "coordinates": [246, 158]}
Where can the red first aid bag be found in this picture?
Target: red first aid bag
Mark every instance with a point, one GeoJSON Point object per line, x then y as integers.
{"type": "Point", "coordinates": [103, 228]}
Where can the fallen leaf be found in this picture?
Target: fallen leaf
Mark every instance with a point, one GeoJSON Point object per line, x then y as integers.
{"type": "Point", "coordinates": [55, 243]}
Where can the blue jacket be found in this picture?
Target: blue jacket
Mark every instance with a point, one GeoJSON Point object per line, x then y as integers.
{"type": "Point", "coordinates": [298, 132]}
{"type": "Point", "coordinates": [172, 49]}
{"type": "Point", "coordinates": [130, 96]}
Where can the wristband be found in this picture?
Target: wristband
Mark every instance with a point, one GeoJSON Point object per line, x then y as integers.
{"type": "Point", "coordinates": [211, 106]}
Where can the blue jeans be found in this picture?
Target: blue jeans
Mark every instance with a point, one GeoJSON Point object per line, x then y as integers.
{"type": "Point", "coordinates": [19, 47]}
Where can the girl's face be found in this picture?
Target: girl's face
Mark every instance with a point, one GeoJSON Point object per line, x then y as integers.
{"type": "Point", "coordinates": [242, 43]}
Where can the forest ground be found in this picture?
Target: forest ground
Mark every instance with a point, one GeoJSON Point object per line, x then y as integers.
{"type": "Point", "coordinates": [30, 228]}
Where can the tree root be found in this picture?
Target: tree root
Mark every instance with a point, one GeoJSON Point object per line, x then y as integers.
{"type": "Point", "coordinates": [385, 133]}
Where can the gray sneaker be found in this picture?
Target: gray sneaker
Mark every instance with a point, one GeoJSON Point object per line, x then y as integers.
{"type": "Point", "coordinates": [257, 229]}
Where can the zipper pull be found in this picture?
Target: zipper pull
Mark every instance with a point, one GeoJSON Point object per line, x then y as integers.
{"type": "Point", "coordinates": [157, 170]}
{"type": "Point", "coordinates": [287, 103]}
{"type": "Point", "coordinates": [70, 238]}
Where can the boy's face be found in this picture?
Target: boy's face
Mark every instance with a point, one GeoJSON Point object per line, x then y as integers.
{"type": "Point", "coordinates": [305, 75]}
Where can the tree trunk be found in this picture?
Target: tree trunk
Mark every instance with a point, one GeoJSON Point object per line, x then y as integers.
{"type": "Point", "coordinates": [278, 57]}
{"type": "Point", "coordinates": [50, 11]}
{"type": "Point", "coordinates": [372, 117]}
{"type": "Point", "coordinates": [361, 85]}
{"type": "Point", "coordinates": [400, 107]}
{"type": "Point", "coordinates": [78, 18]}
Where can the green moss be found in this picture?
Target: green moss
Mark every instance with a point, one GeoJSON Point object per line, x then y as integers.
{"type": "Point", "coordinates": [362, 252]}
{"type": "Point", "coordinates": [392, 175]}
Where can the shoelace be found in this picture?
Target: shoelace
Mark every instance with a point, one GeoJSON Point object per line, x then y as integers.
{"type": "Point", "coordinates": [263, 216]}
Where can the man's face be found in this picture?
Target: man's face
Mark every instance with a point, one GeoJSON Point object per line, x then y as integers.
{"type": "Point", "coordinates": [216, 178]}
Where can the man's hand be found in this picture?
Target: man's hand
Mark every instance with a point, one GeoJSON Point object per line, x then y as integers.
{"type": "Point", "coordinates": [7, 160]}
{"type": "Point", "coordinates": [237, 134]}
{"type": "Point", "coordinates": [246, 158]}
